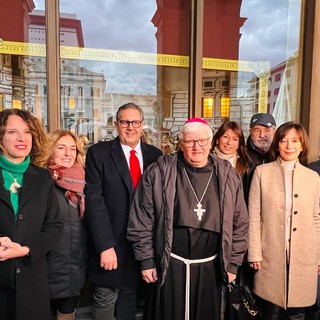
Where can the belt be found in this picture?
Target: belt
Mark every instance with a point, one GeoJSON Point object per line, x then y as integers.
{"type": "Point", "coordinates": [188, 262]}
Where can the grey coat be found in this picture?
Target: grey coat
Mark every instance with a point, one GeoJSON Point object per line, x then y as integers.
{"type": "Point", "coordinates": [151, 218]}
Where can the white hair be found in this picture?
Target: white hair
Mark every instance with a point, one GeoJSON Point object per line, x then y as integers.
{"type": "Point", "coordinates": [194, 127]}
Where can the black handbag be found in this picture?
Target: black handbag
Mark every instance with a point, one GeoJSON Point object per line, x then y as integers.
{"type": "Point", "coordinates": [242, 303]}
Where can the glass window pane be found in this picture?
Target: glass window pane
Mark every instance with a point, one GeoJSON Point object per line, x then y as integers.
{"type": "Point", "coordinates": [22, 57]}
{"type": "Point", "coordinates": [129, 54]}
{"type": "Point", "coordinates": [255, 60]}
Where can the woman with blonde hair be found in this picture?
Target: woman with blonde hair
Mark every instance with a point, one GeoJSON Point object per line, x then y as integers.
{"type": "Point", "coordinates": [67, 261]}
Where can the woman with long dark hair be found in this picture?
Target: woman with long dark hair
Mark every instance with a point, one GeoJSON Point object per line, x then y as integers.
{"type": "Point", "coordinates": [229, 144]}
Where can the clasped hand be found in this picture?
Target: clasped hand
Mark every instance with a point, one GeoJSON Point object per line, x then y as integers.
{"type": "Point", "coordinates": [149, 275]}
{"type": "Point", "coordinates": [108, 259]}
{"type": "Point", "coordinates": [10, 249]}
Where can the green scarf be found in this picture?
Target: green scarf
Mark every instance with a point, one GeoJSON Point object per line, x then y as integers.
{"type": "Point", "coordinates": [11, 171]}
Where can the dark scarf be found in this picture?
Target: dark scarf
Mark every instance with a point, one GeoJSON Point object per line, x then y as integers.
{"type": "Point", "coordinates": [71, 180]}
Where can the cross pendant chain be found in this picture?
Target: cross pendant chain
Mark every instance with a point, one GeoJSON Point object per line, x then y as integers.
{"type": "Point", "coordinates": [199, 211]}
{"type": "Point", "coordinates": [14, 186]}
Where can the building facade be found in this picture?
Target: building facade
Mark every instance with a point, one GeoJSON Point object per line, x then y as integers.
{"type": "Point", "coordinates": [74, 65]}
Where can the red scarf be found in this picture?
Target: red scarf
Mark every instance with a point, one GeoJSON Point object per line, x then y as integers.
{"type": "Point", "coordinates": [72, 180]}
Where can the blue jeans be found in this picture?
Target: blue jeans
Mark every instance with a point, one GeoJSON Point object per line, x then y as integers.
{"type": "Point", "coordinates": [110, 301]}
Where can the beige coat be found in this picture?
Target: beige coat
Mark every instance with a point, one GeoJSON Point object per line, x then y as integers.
{"type": "Point", "coordinates": [267, 242]}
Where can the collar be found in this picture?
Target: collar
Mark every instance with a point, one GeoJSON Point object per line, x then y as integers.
{"type": "Point", "coordinates": [126, 149]}
{"type": "Point", "coordinates": [14, 167]}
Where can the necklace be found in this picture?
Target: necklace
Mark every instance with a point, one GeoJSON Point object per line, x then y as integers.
{"type": "Point", "coordinates": [14, 185]}
{"type": "Point", "coordinates": [199, 211]}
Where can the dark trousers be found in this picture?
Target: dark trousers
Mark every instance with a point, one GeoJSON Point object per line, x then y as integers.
{"type": "Point", "coordinates": [110, 301]}
{"type": "Point", "coordinates": [7, 305]}
{"type": "Point", "coordinates": [274, 312]}
{"type": "Point", "coordinates": [65, 305]}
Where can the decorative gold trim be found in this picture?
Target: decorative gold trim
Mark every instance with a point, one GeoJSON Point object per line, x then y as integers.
{"type": "Point", "coordinates": [23, 48]}
{"type": "Point", "coordinates": [260, 68]}
{"type": "Point", "coordinates": [263, 95]}
{"type": "Point", "coordinates": [67, 52]}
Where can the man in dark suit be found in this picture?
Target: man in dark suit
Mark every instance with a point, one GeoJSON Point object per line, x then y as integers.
{"type": "Point", "coordinates": [109, 188]}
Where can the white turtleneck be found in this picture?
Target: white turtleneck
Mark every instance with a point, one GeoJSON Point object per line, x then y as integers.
{"type": "Point", "coordinates": [288, 167]}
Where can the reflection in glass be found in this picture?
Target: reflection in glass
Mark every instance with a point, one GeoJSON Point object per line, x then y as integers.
{"type": "Point", "coordinates": [126, 51]}
{"type": "Point", "coordinates": [129, 54]}
{"type": "Point", "coordinates": [254, 58]}
{"type": "Point", "coordinates": [22, 56]}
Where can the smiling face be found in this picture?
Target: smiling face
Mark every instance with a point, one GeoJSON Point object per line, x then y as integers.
{"type": "Point", "coordinates": [196, 155]}
{"type": "Point", "coordinates": [290, 146]}
{"type": "Point", "coordinates": [129, 136]}
{"type": "Point", "coordinates": [262, 136]}
{"type": "Point", "coordinates": [64, 152]}
{"type": "Point", "coordinates": [17, 139]}
{"type": "Point", "coordinates": [228, 143]}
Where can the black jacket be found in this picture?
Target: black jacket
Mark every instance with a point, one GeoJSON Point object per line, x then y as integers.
{"type": "Point", "coordinates": [38, 227]}
{"type": "Point", "coordinates": [256, 156]}
{"type": "Point", "coordinates": [151, 218]}
{"type": "Point", "coordinates": [67, 261]}
{"type": "Point", "coordinates": [109, 193]}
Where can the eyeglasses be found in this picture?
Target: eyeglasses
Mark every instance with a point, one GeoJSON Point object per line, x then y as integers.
{"type": "Point", "coordinates": [200, 142]}
{"type": "Point", "coordinates": [126, 123]}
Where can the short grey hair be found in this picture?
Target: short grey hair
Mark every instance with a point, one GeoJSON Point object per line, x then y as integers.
{"type": "Point", "coordinates": [194, 127]}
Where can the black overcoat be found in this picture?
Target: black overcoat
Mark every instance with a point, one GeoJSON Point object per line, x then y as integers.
{"type": "Point", "coordinates": [109, 193]}
{"type": "Point", "coordinates": [67, 261]}
{"type": "Point", "coordinates": [38, 227]}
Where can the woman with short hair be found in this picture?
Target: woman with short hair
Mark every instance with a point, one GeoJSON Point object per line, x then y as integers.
{"type": "Point", "coordinates": [284, 227]}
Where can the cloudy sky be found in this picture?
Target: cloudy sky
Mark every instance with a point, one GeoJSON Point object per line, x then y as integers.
{"type": "Point", "coordinates": [268, 35]}
{"type": "Point", "coordinates": [271, 31]}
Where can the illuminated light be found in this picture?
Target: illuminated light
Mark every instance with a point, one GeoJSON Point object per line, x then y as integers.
{"type": "Point", "coordinates": [225, 107]}
{"type": "Point", "coordinates": [16, 104]}
{"type": "Point", "coordinates": [71, 103]}
{"type": "Point", "coordinates": [207, 107]}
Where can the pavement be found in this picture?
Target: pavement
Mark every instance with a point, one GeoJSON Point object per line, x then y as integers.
{"type": "Point", "coordinates": [84, 313]}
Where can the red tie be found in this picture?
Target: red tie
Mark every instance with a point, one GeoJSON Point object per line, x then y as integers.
{"type": "Point", "coordinates": [135, 170]}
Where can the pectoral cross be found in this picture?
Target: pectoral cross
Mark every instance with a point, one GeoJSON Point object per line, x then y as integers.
{"type": "Point", "coordinates": [199, 211]}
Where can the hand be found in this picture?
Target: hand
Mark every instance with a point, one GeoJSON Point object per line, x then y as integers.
{"type": "Point", "coordinates": [319, 270]}
{"type": "Point", "coordinates": [10, 250]}
{"type": "Point", "coordinates": [108, 259]}
{"type": "Point", "coordinates": [149, 275]}
{"type": "Point", "coordinates": [255, 265]}
{"type": "Point", "coordinates": [231, 277]}
{"type": "Point", "coordinates": [4, 239]}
